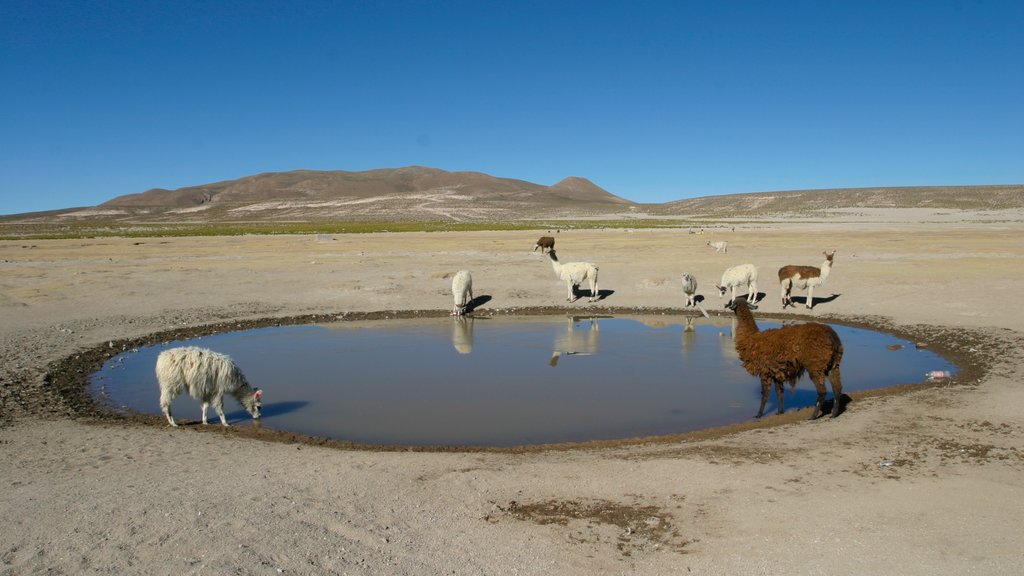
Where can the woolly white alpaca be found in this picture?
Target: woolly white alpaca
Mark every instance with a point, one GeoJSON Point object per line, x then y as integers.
{"type": "Point", "coordinates": [574, 273]}
{"type": "Point", "coordinates": [462, 291]}
{"type": "Point", "coordinates": [744, 275]}
{"type": "Point", "coordinates": [690, 289]}
{"type": "Point", "coordinates": [720, 246]}
{"type": "Point", "coordinates": [804, 278]}
{"type": "Point", "coordinates": [206, 376]}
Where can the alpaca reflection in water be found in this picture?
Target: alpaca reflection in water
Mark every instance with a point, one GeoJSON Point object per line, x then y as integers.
{"type": "Point", "coordinates": [689, 336]}
{"type": "Point", "coordinates": [462, 334]}
{"type": "Point", "coordinates": [577, 342]}
{"type": "Point", "coordinates": [728, 341]}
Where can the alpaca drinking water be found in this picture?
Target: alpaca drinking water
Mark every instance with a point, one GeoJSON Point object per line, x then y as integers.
{"type": "Point", "coordinates": [462, 292]}
{"type": "Point", "coordinates": [207, 376]}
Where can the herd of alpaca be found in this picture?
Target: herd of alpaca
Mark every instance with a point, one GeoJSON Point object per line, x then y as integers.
{"type": "Point", "coordinates": [775, 356]}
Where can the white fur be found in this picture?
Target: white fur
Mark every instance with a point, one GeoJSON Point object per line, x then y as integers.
{"type": "Point", "coordinates": [690, 289]}
{"type": "Point", "coordinates": [720, 246]}
{"type": "Point", "coordinates": [574, 273]}
{"type": "Point", "coordinates": [462, 291]}
{"type": "Point", "coordinates": [744, 275]}
{"type": "Point", "coordinates": [206, 376]}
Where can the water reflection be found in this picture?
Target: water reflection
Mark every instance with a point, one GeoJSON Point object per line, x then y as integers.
{"type": "Point", "coordinates": [398, 382]}
{"type": "Point", "coordinates": [581, 338]}
{"type": "Point", "coordinates": [689, 336]}
{"type": "Point", "coordinates": [462, 334]}
{"type": "Point", "coordinates": [727, 339]}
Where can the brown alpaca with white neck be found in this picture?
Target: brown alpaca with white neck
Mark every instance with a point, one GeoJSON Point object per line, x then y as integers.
{"type": "Point", "coordinates": [804, 278]}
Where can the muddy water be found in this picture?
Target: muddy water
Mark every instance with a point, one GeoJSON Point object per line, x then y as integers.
{"type": "Point", "coordinates": [501, 381]}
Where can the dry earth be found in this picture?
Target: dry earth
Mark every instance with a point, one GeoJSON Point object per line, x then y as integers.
{"type": "Point", "coordinates": [86, 494]}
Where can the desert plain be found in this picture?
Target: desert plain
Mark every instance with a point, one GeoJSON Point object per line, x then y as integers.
{"type": "Point", "coordinates": [924, 480]}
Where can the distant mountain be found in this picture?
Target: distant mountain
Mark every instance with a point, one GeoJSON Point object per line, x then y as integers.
{"type": "Point", "coordinates": [802, 201]}
{"type": "Point", "coordinates": [391, 193]}
{"type": "Point", "coordinates": [422, 194]}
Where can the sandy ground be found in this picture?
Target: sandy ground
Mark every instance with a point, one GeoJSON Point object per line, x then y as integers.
{"type": "Point", "coordinates": [89, 495]}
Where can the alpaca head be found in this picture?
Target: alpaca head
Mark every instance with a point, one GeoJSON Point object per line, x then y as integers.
{"type": "Point", "coordinates": [739, 303]}
{"type": "Point", "coordinates": [551, 254]}
{"type": "Point", "coordinates": [829, 256]}
{"type": "Point", "coordinates": [253, 403]}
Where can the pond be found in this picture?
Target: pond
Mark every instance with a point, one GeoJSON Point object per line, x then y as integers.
{"type": "Point", "coordinates": [501, 382]}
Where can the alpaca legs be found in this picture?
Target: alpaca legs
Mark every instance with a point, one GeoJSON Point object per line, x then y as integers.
{"type": "Point", "coordinates": [837, 389]}
{"type": "Point", "coordinates": [787, 287]}
{"type": "Point", "coordinates": [766, 384]}
{"type": "Point", "coordinates": [218, 405]}
{"type": "Point", "coordinates": [810, 297]}
{"type": "Point", "coordinates": [166, 407]}
{"type": "Point", "coordinates": [819, 386]}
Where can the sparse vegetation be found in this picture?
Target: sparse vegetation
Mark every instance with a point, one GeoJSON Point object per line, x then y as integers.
{"type": "Point", "coordinates": [93, 229]}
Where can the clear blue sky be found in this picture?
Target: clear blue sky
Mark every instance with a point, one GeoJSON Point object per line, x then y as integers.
{"type": "Point", "coordinates": [653, 101]}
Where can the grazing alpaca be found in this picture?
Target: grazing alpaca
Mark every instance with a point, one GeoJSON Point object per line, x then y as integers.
{"type": "Point", "coordinates": [462, 291]}
{"type": "Point", "coordinates": [784, 354]}
{"type": "Point", "coordinates": [574, 273]}
{"type": "Point", "coordinates": [545, 242]}
{"type": "Point", "coordinates": [744, 275]}
{"type": "Point", "coordinates": [804, 277]}
{"type": "Point", "coordinates": [720, 246]}
{"type": "Point", "coordinates": [206, 375]}
{"type": "Point", "coordinates": [690, 289]}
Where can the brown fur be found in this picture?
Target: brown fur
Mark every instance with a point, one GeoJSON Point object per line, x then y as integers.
{"type": "Point", "coordinates": [784, 354]}
{"type": "Point", "coordinates": [791, 271]}
{"type": "Point", "coordinates": [544, 242]}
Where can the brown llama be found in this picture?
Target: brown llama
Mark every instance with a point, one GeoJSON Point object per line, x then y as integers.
{"type": "Point", "coordinates": [784, 354]}
{"type": "Point", "coordinates": [545, 242]}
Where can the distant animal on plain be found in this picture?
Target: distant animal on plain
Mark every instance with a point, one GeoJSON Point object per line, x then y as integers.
{"type": "Point", "coordinates": [545, 243]}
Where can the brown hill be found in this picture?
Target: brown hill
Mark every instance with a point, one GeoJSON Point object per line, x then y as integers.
{"type": "Point", "coordinates": [420, 194]}
{"type": "Point", "coordinates": [802, 201]}
{"type": "Point", "coordinates": [341, 194]}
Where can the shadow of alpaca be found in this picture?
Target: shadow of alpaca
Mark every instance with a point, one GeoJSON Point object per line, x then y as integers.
{"type": "Point", "coordinates": [802, 300]}
{"type": "Point", "coordinates": [801, 398]}
{"type": "Point", "coordinates": [601, 294]}
{"type": "Point", "coordinates": [476, 302]}
{"type": "Point", "coordinates": [826, 406]}
{"type": "Point", "coordinates": [269, 410]}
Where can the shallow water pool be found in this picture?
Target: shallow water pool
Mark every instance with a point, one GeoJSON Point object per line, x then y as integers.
{"type": "Point", "coordinates": [501, 381]}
